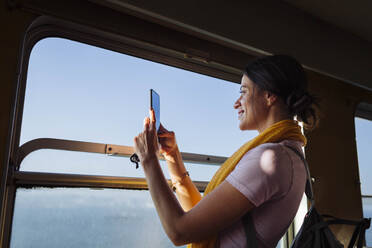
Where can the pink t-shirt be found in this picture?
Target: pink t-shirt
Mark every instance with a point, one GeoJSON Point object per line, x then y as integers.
{"type": "Point", "coordinates": [273, 178]}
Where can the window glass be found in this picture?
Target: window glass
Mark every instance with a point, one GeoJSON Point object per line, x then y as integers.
{"type": "Point", "coordinates": [80, 92]}
{"type": "Point", "coordinates": [363, 129]}
{"type": "Point", "coordinates": [80, 217]}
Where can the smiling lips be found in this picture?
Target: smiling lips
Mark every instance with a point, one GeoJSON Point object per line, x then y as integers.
{"type": "Point", "coordinates": [240, 113]}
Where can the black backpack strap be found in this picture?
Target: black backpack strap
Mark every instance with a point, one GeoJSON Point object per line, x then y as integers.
{"type": "Point", "coordinates": [308, 186]}
{"type": "Point", "coordinates": [360, 231]}
{"type": "Point", "coordinates": [250, 232]}
{"type": "Point", "coordinates": [323, 224]}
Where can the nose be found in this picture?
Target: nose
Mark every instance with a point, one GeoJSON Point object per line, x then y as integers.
{"type": "Point", "coordinates": [237, 103]}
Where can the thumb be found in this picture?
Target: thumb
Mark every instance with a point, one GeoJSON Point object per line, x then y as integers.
{"type": "Point", "coordinates": [152, 118]}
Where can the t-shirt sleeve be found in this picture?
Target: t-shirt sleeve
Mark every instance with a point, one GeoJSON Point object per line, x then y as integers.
{"type": "Point", "coordinates": [263, 173]}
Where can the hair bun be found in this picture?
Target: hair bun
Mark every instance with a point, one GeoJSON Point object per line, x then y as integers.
{"type": "Point", "coordinates": [299, 104]}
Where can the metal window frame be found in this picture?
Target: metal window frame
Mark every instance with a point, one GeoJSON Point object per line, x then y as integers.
{"type": "Point", "coordinates": [44, 27]}
{"type": "Point", "coordinates": [364, 111]}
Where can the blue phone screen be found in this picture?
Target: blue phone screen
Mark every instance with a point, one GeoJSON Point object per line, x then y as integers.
{"type": "Point", "coordinates": [155, 104]}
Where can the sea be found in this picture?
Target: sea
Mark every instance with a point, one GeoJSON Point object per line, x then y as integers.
{"type": "Point", "coordinates": [94, 218]}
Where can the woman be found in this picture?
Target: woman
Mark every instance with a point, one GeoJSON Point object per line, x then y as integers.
{"type": "Point", "coordinates": [260, 186]}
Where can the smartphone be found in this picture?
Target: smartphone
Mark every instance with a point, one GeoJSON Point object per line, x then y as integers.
{"type": "Point", "coordinates": [155, 105]}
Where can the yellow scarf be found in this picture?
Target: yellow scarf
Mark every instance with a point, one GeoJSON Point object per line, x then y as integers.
{"type": "Point", "coordinates": [282, 130]}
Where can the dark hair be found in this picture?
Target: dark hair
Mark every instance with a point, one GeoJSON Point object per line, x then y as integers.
{"type": "Point", "coordinates": [283, 76]}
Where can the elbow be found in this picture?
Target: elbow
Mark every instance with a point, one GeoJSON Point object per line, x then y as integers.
{"type": "Point", "coordinates": [179, 242]}
{"type": "Point", "coordinates": [177, 238]}
{"type": "Point", "coordinates": [178, 231]}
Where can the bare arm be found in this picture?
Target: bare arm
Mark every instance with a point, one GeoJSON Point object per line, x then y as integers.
{"type": "Point", "coordinates": [216, 211]}
{"type": "Point", "coordinates": [207, 218]}
{"type": "Point", "coordinates": [187, 193]}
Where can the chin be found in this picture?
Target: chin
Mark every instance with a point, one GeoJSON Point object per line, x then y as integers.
{"type": "Point", "coordinates": [244, 127]}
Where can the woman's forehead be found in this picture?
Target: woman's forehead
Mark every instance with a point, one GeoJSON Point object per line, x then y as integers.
{"type": "Point", "coordinates": [246, 82]}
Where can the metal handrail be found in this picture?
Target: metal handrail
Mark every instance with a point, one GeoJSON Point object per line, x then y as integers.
{"type": "Point", "coordinates": [26, 179]}
{"type": "Point", "coordinates": [109, 149]}
{"type": "Point", "coordinates": [32, 179]}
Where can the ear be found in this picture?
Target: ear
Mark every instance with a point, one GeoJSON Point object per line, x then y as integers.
{"type": "Point", "coordinates": [270, 98]}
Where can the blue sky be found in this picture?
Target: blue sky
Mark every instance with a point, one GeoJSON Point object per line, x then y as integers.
{"type": "Point", "coordinates": [80, 92]}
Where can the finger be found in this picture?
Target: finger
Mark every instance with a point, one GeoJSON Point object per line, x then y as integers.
{"type": "Point", "coordinates": [146, 123]}
{"type": "Point", "coordinates": [152, 115]}
{"type": "Point", "coordinates": [152, 118]}
{"type": "Point", "coordinates": [146, 120]}
{"type": "Point", "coordinates": [165, 135]}
{"type": "Point", "coordinates": [135, 141]}
{"type": "Point", "coordinates": [162, 129]}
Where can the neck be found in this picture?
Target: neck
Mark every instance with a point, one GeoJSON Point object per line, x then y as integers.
{"type": "Point", "coordinates": [273, 117]}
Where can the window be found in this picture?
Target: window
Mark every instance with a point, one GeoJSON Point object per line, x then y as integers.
{"type": "Point", "coordinates": [363, 129]}
{"type": "Point", "coordinates": [70, 217]}
{"type": "Point", "coordinates": [80, 92]}
{"type": "Point", "coordinates": [77, 92]}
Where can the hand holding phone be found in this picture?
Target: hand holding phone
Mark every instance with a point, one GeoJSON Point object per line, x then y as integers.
{"type": "Point", "coordinates": [155, 105]}
{"type": "Point", "coordinates": [167, 141]}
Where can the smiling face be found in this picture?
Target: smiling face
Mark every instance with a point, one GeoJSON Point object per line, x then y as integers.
{"type": "Point", "coordinates": [251, 106]}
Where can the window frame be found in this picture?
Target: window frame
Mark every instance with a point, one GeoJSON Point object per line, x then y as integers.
{"type": "Point", "coordinates": [193, 58]}
{"type": "Point", "coordinates": [363, 110]}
